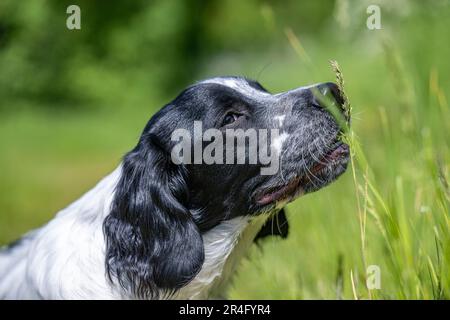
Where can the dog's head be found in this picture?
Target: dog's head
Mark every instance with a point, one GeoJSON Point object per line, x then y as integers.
{"type": "Point", "coordinates": [182, 178]}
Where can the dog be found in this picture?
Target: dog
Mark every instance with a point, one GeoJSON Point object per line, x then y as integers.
{"type": "Point", "coordinates": [153, 229]}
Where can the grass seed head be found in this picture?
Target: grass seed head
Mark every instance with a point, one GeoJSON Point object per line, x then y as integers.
{"type": "Point", "coordinates": [346, 107]}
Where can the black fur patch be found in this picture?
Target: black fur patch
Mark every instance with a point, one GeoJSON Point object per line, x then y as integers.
{"type": "Point", "coordinates": [276, 225]}
{"type": "Point", "coordinates": [153, 246]}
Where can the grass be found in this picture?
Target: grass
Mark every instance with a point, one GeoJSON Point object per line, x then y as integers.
{"type": "Point", "coordinates": [406, 259]}
{"type": "Point", "coordinates": [393, 211]}
{"type": "Point", "coordinates": [391, 208]}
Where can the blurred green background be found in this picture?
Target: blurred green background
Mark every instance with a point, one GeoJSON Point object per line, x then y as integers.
{"type": "Point", "coordinates": [72, 102]}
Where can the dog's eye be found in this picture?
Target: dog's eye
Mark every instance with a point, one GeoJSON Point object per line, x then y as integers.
{"type": "Point", "coordinates": [230, 118]}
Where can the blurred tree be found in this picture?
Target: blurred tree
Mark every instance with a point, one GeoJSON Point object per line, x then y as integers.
{"type": "Point", "coordinates": [127, 50]}
{"type": "Point", "coordinates": [153, 44]}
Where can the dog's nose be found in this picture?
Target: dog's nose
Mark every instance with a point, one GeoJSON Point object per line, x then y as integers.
{"type": "Point", "coordinates": [327, 92]}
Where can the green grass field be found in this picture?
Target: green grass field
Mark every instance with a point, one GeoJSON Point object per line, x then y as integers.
{"type": "Point", "coordinates": [390, 209]}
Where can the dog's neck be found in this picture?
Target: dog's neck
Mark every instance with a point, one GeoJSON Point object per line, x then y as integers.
{"type": "Point", "coordinates": [225, 245]}
{"type": "Point", "coordinates": [72, 245]}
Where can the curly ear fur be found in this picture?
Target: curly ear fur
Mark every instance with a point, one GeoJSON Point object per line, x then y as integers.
{"type": "Point", "coordinates": [153, 246]}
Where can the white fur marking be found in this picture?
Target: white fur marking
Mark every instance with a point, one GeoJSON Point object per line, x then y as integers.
{"type": "Point", "coordinates": [237, 84]}
{"type": "Point", "coordinates": [64, 259]}
{"type": "Point", "coordinates": [280, 119]}
{"type": "Point", "coordinates": [278, 142]}
{"type": "Point", "coordinates": [225, 245]}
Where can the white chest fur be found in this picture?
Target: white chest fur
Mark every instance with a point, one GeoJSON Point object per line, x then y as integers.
{"type": "Point", "coordinates": [224, 245]}
{"type": "Point", "coordinates": [65, 258]}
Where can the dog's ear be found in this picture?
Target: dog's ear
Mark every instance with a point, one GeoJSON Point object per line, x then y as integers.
{"type": "Point", "coordinates": [276, 225]}
{"type": "Point", "coordinates": [153, 246]}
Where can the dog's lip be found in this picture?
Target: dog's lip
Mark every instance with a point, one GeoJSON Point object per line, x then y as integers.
{"type": "Point", "coordinates": [279, 193]}
{"type": "Point", "coordinates": [295, 186]}
{"type": "Point", "coordinates": [339, 150]}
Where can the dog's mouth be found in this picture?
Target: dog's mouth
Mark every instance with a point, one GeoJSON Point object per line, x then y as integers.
{"type": "Point", "coordinates": [328, 166]}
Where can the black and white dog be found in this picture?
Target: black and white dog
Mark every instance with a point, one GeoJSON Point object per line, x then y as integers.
{"type": "Point", "coordinates": [155, 229]}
